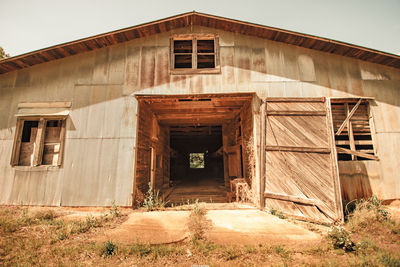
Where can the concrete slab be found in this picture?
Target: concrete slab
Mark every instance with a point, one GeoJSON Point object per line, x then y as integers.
{"type": "Point", "coordinates": [254, 227]}
{"type": "Point", "coordinates": [228, 227]}
{"type": "Point", "coordinates": [157, 227]}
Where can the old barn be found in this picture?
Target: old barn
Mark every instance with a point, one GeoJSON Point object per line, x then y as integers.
{"type": "Point", "coordinates": [189, 104]}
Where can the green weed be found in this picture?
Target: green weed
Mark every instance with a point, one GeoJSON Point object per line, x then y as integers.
{"type": "Point", "coordinates": [109, 249]}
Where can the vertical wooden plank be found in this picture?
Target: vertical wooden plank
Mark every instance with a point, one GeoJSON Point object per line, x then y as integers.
{"type": "Point", "coordinates": [262, 152]}
{"type": "Point", "coordinates": [62, 142]}
{"type": "Point", "coordinates": [194, 53]}
{"type": "Point", "coordinates": [350, 131]}
{"type": "Point", "coordinates": [372, 129]}
{"type": "Point", "coordinates": [216, 47]}
{"type": "Point", "coordinates": [152, 167]}
{"type": "Point", "coordinates": [334, 161]}
{"type": "Point", "coordinates": [38, 149]}
{"type": "Point", "coordinates": [17, 142]}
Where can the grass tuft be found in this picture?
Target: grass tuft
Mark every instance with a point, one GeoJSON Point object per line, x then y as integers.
{"type": "Point", "coordinates": [109, 249]}
{"type": "Point", "coordinates": [198, 224]}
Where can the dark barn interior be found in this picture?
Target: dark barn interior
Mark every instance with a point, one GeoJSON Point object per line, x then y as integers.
{"type": "Point", "coordinates": [201, 177]}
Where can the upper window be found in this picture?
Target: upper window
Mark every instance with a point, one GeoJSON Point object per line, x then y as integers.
{"type": "Point", "coordinates": [38, 141]}
{"type": "Point", "coordinates": [194, 54]}
{"type": "Point", "coordinates": [353, 126]}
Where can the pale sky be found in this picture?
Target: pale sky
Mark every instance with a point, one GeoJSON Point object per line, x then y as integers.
{"type": "Point", "coordinates": [28, 25]}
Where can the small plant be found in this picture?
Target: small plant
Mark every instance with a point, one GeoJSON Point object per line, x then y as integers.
{"type": "Point", "coordinates": [231, 253]}
{"type": "Point", "coordinates": [389, 260]}
{"type": "Point", "coordinates": [277, 213]}
{"type": "Point", "coordinates": [340, 239]}
{"type": "Point", "coordinates": [281, 251]}
{"type": "Point", "coordinates": [198, 223]}
{"type": "Point", "coordinates": [153, 201]}
{"type": "Point", "coordinates": [141, 250]}
{"type": "Point", "coordinates": [368, 214]}
{"type": "Point", "coordinates": [109, 249]}
{"type": "Point", "coordinates": [114, 212]}
{"type": "Point", "coordinates": [45, 215]}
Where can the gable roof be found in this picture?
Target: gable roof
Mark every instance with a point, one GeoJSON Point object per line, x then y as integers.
{"type": "Point", "coordinates": [200, 19]}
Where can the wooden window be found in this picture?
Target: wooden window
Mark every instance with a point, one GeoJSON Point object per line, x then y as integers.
{"type": "Point", "coordinates": [38, 141]}
{"type": "Point", "coordinates": [194, 54]}
{"type": "Point", "coordinates": [353, 126]}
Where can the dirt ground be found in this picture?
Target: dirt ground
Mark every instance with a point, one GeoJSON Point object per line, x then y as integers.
{"type": "Point", "coordinates": [39, 236]}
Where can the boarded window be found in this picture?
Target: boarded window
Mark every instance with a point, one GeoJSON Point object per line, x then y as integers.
{"type": "Point", "coordinates": [197, 160]}
{"type": "Point", "coordinates": [38, 142]}
{"type": "Point", "coordinates": [352, 126]}
{"type": "Point", "coordinates": [194, 53]}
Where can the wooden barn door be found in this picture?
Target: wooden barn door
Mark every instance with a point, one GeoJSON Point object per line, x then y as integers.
{"type": "Point", "coordinates": [301, 177]}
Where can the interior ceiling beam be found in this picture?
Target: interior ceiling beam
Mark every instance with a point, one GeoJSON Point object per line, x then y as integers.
{"type": "Point", "coordinates": [198, 116]}
{"type": "Point", "coordinates": [196, 110]}
{"type": "Point", "coordinates": [186, 105]}
{"type": "Point", "coordinates": [192, 122]}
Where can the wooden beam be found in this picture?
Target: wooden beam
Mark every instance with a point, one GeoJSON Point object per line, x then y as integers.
{"type": "Point", "coordinates": [296, 99]}
{"type": "Point", "coordinates": [65, 104]}
{"type": "Point", "coordinates": [299, 149]}
{"type": "Point", "coordinates": [348, 117]}
{"type": "Point", "coordinates": [296, 113]}
{"type": "Point", "coordinates": [355, 142]}
{"type": "Point", "coordinates": [296, 199]}
{"type": "Point", "coordinates": [356, 153]}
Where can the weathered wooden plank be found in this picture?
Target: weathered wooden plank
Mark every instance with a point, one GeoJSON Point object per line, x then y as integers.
{"type": "Point", "coordinates": [295, 113]}
{"type": "Point", "coordinates": [38, 151]}
{"type": "Point", "coordinates": [296, 199]}
{"type": "Point", "coordinates": [62, 104]}
{"type": "Point", "coordinates": [348, 117]}
{"type": "Point", "coordinates": [298, 149]}
{"type": "Point", "coordinates": [296, 99]}
{"type": "Point", "coordinates": [356, 153]}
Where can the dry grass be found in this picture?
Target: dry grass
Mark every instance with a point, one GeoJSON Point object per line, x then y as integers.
{"type": "Point", "coordinates": [30, 238]}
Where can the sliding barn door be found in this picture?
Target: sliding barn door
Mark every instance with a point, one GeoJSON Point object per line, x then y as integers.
{"type": "Point", "coordinates": [301, 177]}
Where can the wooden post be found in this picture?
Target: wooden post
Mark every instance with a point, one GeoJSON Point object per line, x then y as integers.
{"type": "Point", "coordinates": [334, 162]}
{"type": "Point", "coordinates": [62, 142]}
{"type": "Point", "coordinates": [17, 142]}
{"type": "Point", "coordinates": [262, 152]}
{"type": "Point", "coordinates": [38, 148]}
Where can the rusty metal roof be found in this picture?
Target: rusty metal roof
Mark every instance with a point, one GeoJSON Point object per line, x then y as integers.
{"type": "Point", "coordinates": [200, 19]}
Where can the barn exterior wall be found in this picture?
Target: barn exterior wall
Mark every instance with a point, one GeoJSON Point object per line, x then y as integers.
{"type": "Point", "coordinates": [100, 143]}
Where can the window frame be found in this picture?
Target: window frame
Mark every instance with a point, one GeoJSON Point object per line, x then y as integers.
{"type": "Point", "coordinates": [194, 69]}
{"type": "Point", "coordinates": [39, 141]}
{"type": "Point", "coordinates": [353, 150]}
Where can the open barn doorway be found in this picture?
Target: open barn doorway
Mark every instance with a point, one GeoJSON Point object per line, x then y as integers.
{"type": "Point", "coordinates": [190, 147]}
{"type": "Point", "coordinates": [197, 167]}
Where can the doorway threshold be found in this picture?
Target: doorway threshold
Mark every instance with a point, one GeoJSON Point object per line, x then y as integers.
{"type": "Point", "coordinates": [216, 206]}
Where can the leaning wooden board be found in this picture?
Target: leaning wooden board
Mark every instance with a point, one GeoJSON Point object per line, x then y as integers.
{"type": "Point", "coordinates": [301, 174]}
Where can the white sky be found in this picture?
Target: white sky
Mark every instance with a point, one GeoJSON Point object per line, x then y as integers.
{"type": "Point", "coordinates": [28, 25]}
